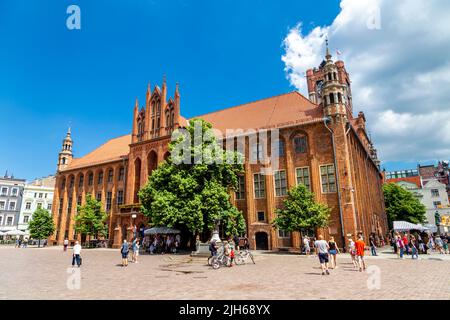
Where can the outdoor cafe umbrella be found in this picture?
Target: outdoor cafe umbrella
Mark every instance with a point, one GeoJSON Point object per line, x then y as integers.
{"type": "Point", "coordinates": [15, 233]}
{"type": "Point", "coordinates": [407, 226]}
{"type": "Point", "coordinates": [161, 230]}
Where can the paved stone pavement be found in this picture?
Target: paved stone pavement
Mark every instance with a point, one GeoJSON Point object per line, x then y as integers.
{"type": "Point", "coordinates": [42, 274]}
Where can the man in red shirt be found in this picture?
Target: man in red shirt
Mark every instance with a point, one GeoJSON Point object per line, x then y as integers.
{"type": "Point", "coordinates": [360, 247]}
{"type": "Point", "coordinates": [406, 243]}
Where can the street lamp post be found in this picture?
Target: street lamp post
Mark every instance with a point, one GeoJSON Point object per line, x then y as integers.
{"type": "Point", "coordinates": [134, 216]}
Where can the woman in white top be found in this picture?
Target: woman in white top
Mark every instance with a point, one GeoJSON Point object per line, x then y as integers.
{"type": "Point", "coordinates": [352, 251]}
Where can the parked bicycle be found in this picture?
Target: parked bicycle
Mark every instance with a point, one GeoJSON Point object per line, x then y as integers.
{"type": "Point", "coordinates": [221, 260]}
{"type": "Point", "coordinates": [243, 256]}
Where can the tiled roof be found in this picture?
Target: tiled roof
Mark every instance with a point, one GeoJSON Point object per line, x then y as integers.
{"type": "Point", "coordinates": [281, 110]}
{"type": "Point", "coordinates": [274, 111]}
{"type": "Point", "coordinates": [112, 150]}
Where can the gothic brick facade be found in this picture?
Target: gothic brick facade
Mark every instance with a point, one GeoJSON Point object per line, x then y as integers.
{"type": "Point", "coordinates": [320, 144]}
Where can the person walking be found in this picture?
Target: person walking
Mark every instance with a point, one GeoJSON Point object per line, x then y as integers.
{"type": "Point", "coordinates": [76, 256]}
{"type": "Point", "coordinates": [414, 250]}
{"type": "Point", "coordinates": [124, 250]}
{"type": "Point", "coordinates": [236, 242]}
{"type": "Point", "coordinates": [352, 251]}
{"type": "Point", "coordinates": [322, 248]}
{"type": "Point", "coordinates": [306, 245]}
{"type": "Point", "coordinates": [360, 246]}
{"type": "Point", "coordinates": [439, 244]}
{"type": "Point", "coordinates": [65, 244]}
{"type": "Point", "coordinates": [134, 249]}
{"type": "Point", "coordinates": [333, 250]}
{"type": "Point", "coordinates": [406, 244]}
{"type": "Point", "coordinates": [401, 247]}
{"type": "Point", "coordinates": [232, 250]}
{"type": "Point", "coordinates": [373, 247]}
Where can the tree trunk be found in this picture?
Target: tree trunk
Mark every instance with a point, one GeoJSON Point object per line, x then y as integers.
{"type": "Point", "coordinates": [39, 243]}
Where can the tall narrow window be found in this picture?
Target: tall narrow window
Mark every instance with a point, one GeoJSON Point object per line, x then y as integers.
{"type": "Point", "coordinates": [61, 201]}
{"type": "Point", "coordinates": [120, 197]}
{"type": "Point", "coordinates": [259, 185]}
{"type": "Point", "coordinates": [240, 192]}
{"type": "Point", "coordinates": [99, 196]}
{"type": "Point", "coordinates": [300, 144]}
{"type": "Point", "coordinates": [110, 176]}
{"type": "Point", "coordinates": [280, 183]}
{"type": "Point", "coordinates": [108, 201]}
{"type": "Point", "coordinates": [69, 206]}
{"type": "Point", "coordinates": [328, 178]}
{"type": "Point", "coordinates": [121, 174]}
{"type": "Point", "coordinates": [303, 177]}
{"type": "Point", "coordinates": [91, 179]}
{"type": "Point", "coordinates": [281, 148]}
{"type": "Point", "coordinates": [257, 152]}
{"type": "Point", "coordinates": [100, 178]}
{"type": "Point", "coordinates": [81, 181]}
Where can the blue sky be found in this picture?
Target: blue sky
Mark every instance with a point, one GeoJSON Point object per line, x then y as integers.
{"type": "Point", "coordinates": [222, 53]}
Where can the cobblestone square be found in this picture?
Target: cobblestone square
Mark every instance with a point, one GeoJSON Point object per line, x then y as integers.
{"type": "Point", "coordinates": [44, 274]}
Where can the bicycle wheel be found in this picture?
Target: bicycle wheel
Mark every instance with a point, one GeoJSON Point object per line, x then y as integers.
{"type": "Point", "coordinates": [251, 257]}
{"type": "Point", "coordinates": [215, 264]}
{"type": "Point", "coordinates": [239, 260]}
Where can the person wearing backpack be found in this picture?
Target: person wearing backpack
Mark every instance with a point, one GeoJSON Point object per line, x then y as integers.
{"type": "Point", "coordinates": [124, 250]}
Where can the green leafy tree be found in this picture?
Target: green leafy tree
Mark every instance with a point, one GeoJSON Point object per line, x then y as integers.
{"type": "Point", "coordinates": [41, 225]}
{"type": "Point", "coordinates": [300, 211]}
{"type": "Point", "coordinates": [91, 218]}
{"type": "Point", "coordinates": [402, 205]}
{"type": "Point", "coordinates": [194, 193]}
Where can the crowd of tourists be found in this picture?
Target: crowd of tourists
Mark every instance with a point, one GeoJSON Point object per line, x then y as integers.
{"type": "Point", "coordinates": [327, 252]}
{"type": "Point", "coordinates": [415, 244]}
{"type": "Point", "coordinates": [161, 244]}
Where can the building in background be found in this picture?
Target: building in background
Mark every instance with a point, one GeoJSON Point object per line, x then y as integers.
{"type": "Point", "coordinates": [36, 194]}
{"type": "Point", "coordinates": [429, 184]}
{"type": "Point", "coordinates": [321, 144]}
{"type": "Point", "coordinates": [11, 192]}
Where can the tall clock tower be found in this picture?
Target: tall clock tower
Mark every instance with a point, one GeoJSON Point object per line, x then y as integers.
{"type": "Point", "coordinates": [331, 77]}
{"type": "Point", "coordinates": [329, 88]}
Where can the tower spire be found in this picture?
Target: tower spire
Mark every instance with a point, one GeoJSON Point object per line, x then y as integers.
{"type": "Point", "coordinates": [177, 90]}
{"type": "Point", "coordinates": [328, 54]}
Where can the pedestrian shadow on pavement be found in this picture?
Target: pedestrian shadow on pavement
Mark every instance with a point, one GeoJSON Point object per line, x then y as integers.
{"type": "Point", "coordinates": [313, 273]}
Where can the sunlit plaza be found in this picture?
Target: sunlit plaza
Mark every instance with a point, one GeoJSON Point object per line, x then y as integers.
{"type": "Point", "coordinates": [47, 273]}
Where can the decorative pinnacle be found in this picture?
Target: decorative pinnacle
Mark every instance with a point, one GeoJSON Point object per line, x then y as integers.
{"type": "Point", "coordinates": [328, 55]}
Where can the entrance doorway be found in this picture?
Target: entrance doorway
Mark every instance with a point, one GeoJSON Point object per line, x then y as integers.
{"type": "Point", "coordinates": [262, 241]}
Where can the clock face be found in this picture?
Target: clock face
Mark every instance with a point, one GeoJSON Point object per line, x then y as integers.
{"type": "Point", "coordinates": [319, 87]}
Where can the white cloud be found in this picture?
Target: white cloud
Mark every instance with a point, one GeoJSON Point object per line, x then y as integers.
{"type": "Point", "coordinates": [398, 56]}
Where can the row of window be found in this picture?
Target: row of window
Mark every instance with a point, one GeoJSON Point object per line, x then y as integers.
{"type": "Point", "coordinates": [40, 195]}
{"type": "Point", "coordinates": [40, 205]}
{"type": "Point", "coordinates": [300, 145]}
{"type": "Point", "coordinates": [98, 197]}
{"type": "Point", "coordinates": [402, 174]}
{"type": "Point", "coordinates": [100, 178]}
{"type": "Point", "coordinates": [14, 192]}
{"type": "Point", "coordinates": [11, 206]}
{"type": "Point", "coordinates": [327, 174]}
{"type": "Point", "coordinates": [9, 221]}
